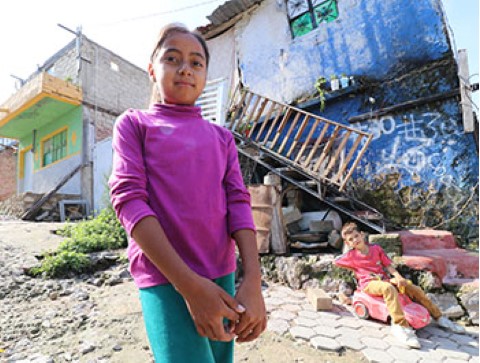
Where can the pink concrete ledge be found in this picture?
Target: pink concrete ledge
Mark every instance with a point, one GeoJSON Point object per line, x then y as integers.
{"type": "Point", "coordinates": [437, 251]}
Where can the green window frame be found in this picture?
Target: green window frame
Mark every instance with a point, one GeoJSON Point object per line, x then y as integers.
{"type": "Point", "coordinates": [307, 15]}
{"type": "Point", "coordinates": [54, 148]}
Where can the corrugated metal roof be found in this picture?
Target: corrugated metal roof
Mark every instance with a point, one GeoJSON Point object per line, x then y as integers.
{"type": "Point", "coordinates": [230, 9]}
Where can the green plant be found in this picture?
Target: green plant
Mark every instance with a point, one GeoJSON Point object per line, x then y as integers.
{"type": "Point", "coordinates": [320, 87]}
{"type": "Point", "coordinates": [333, 76]}
{"type": "Point", "coordinates": [62, 264]}
{"type": "Point", "coordinates": [95, 234]}
{"type": "Point", "coordinates": [103, 232]}
{"type": "Point", "coordinates": [343, 274]}
{"type": "Point", "coordinates": [245, 128]}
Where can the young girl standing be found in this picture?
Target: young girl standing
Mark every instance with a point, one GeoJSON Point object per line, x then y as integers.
{"type": "Point", "coordinates": [177, 188]}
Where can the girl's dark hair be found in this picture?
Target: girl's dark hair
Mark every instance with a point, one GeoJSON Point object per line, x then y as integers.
{"type": "Point", "coordinates": [169, 29]}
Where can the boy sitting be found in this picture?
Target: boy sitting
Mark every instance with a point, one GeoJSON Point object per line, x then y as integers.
{"type": "Point", "coordinates": [369, 263]}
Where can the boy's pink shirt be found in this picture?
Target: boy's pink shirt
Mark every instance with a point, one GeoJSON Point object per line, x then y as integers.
{"type": "Point", "coordinates": [366, 267]}
{"type": "Point", "coordinates": [172, 164]}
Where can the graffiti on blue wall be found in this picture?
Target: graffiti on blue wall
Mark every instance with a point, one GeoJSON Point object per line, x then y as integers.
{"type": "Point", "coordinates": [425, 147]}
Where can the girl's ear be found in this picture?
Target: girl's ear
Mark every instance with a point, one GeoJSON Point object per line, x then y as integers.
{"type": "Point", "coordinates": [151, 73]}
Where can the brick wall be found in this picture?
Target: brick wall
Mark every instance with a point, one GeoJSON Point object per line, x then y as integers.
{"type": "Point", "coordinates": [8, 173]}
{"type": "Point", "coordinates": [103, 126]}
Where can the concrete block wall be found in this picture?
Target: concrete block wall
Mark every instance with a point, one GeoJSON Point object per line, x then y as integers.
{"type": "Point", "coordinates": [8, 173]}
{"type": "Point", "coordinates": [103, 126]}
{"type": "Point", "coordinates": [65, 66]}
{"type": "Point", "coordinates": [111, 82]}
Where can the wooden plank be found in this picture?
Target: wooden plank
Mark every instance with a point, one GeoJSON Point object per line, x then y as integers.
{"type": "Point", "coordinates": [337, 152]}
{"type": "Point", "coordinates": [237, 92]}
{"type": "Point", "coordinates": [244, 111]}
{"type": "Point", "coordinates": [315, 146]}
{"type": "Point", "coordinates": [30, 213]}
{"type": "Point", "coordinates": [267, 117]}
{"type": "Point", "coordinates": [59, 87]}
{"type": "Point", "coordinates": [272, 126]}
{"type": "Point", "coordinates": [289, 132]}
{"type": "Point", "coordinates": [298, 135]}
{"type": "Point", "coordinates": [252, 110]}
{"type": "Point", "coordinates": [259, 113]}
{"type": "Point", "coordinates": [307, 141]}
{"type": "Point", "coordinates": [281, 127]}
{"type": "Point", "coordinates": [236, 108]}
{"type": "Point", "coordinates": [355, 163]}
{"type": "Point", "coordinates": [336, 178]}
{"type": "Point", "coordinates": [278, 227]}
{"type": "Point", "coordinates": [326, 149]}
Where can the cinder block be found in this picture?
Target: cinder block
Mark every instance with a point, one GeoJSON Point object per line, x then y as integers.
{"type": "Point", "coordinates": [335, 240]}
{"type": "Point", "coordinates": [321, 226]}
{"type": "Point", "coordinates": [291, 214]}
{"type": "Point", "coordinates": [319, 299]}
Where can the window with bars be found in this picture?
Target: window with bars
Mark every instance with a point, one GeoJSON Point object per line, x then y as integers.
{"type": "Point", "coordinates": [54, 148]}
{"type": "Point", "coordinates": [306, 15]}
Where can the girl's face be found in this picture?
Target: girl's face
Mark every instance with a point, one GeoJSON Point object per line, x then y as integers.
{"type": "Point", "coordinates": [179, 69]}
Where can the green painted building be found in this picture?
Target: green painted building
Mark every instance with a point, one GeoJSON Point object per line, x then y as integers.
{"type": "Point", "coordinates": [64, 110]}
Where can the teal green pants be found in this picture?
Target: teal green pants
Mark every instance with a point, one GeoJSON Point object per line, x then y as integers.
{"type": "Point", "coordinates": [171, 330]}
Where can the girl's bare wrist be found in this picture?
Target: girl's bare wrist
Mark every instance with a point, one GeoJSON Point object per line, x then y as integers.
{"type": "Point", "coordinates": [252, 277]}
{"type": "Point", "coordinates": [188, 285]}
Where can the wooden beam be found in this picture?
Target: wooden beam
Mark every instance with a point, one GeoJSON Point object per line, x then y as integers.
{"type": "Point", "coordinates": [403, 105]}
{"type": "Point", "coordinates": [465, 91]}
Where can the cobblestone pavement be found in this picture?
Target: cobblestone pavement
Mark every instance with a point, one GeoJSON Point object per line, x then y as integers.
{"type": "Point", "coordinates": [291, 313]}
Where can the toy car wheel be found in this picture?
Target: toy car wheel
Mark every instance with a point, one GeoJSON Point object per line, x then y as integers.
{"type": "Point", "coordinates": [361, 311]}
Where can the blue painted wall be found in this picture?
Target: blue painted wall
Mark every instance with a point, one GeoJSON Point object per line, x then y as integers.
{"type": "Point", "coordinates": [421, 169]}
{"type": "Point", "coordinates": [377, 37]}
{"type": "Point", "coordinates": [370, 38]}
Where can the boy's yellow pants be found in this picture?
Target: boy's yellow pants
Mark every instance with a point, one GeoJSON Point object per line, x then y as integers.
{"type": "Point", "coordinates": [390, 295]}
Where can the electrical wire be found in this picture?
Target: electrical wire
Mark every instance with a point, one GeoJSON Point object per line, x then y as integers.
{"type": "Point", "coordinates": [141, 17]}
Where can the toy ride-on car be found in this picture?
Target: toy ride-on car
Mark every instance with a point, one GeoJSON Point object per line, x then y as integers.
{"type": "Point", "coordinates": [365, 306]}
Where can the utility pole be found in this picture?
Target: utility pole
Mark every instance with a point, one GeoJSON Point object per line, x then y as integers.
{"type": "Point", "coordinates": [78, 47]}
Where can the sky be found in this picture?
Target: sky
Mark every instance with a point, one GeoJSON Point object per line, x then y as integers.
{"type": "Point", "coordinates": [29, 33]}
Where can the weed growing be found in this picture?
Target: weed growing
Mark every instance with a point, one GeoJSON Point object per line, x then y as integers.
{"type": "Point", "coordinates": [103, 232]}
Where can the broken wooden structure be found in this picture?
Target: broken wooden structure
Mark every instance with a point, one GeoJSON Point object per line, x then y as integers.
{"type": "Point", "coordinates": [312, 153]}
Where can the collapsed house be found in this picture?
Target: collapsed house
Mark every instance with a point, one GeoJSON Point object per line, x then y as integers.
{"type": "Point", "coordinates": [398, 135]}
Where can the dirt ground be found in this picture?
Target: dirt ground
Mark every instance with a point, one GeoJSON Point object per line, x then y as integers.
{"type": "Point", "coordinates": [120, 302]}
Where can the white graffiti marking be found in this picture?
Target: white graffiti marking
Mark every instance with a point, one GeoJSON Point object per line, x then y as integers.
{"type": "Point", "coordinates": [420, 131]}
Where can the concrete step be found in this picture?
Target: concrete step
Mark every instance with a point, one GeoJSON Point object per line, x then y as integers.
{"type": "Point", "coordinates": [437, 251]}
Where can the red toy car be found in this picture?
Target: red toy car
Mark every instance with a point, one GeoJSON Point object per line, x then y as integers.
{"type": "Point", "coordinates": [365, 306]}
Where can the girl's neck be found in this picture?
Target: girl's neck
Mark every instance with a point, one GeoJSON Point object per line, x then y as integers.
{"type": "Point", "coordinates": [173, 108]}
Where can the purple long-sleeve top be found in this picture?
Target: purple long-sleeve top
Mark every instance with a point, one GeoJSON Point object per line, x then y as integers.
{"type": "Point", "coordinates": [172, 164]}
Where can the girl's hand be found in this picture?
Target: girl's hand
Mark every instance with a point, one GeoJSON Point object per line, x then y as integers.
{"type": "Point", "coordinates": [254, 320]}
{"type": "Point", "coordinates": [208, 305]}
